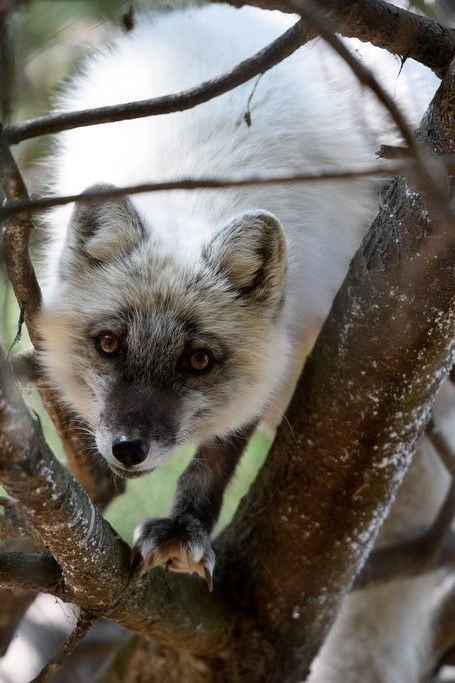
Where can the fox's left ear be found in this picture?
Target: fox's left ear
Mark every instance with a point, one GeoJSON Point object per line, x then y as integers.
{"type": "Point", "coordinates": [251, 253]}
{"type": "Point", "coordinates": [103, 229]}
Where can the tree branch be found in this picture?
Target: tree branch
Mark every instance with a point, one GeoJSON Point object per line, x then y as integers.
{"type": "Point", "coordinates": [262, 61]}
{"type": "Point", "coordinates": [36, 572]}
{"type": "Point", "coordinates": [392, 28]}
{"type": "Point", "coordinates": [77, 442]}
{"type": "Point", "coordinates": [357, 413]}
{"type": "Point", "coordinates": [188, 184]}
{"type": "Point", "coordinates": [83, 626]}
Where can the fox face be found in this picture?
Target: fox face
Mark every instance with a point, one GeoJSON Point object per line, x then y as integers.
{"type": "Point", "coordinates": [155, 352]}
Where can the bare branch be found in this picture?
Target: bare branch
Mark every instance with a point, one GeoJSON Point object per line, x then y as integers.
{"type": "Point", "coordinates": [262, 61]}
{"type": "Point", "coordinates": [15, 244]}
{"type": "Point", "coordinates": [83, 626]}
{"type": "Point", "coordinates": [43, 203]}
{"type": "Point", "coordinates": [36, 572]}
{"type": "Point", "coordinates": [392, 28]}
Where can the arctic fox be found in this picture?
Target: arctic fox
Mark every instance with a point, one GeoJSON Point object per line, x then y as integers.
{"type": "Point", "coordinates": [182, 317]}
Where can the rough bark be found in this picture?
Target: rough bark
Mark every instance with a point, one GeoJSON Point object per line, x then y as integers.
{"type": "Point", "coordinates": [361, 404]}
{"type": "Point", "coordinates": [384, 25]}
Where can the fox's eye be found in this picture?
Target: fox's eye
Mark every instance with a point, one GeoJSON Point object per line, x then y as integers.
{"type": "Point", "coordinates": [199, 361]}
{"type": "Point", "coordinates": [107, 343]}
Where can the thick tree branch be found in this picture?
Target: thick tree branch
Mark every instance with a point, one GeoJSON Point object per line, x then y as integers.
{"type": "Point", "coordinates": [262, 61]}
{"type": "Point", "coordinates": [357, 413]}
{"type": "Point", "coordinates": [392, 28]}
{"type": "Point", "coordinates": [36, 572]}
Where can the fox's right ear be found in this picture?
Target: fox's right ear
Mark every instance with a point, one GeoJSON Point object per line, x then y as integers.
{"type": "Point", "coordinates": [250, 252]}
{"type": "Point", "coordinates": [102, 229]}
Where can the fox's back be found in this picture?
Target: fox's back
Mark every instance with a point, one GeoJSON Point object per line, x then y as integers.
{"type": "Point", "coordinates": [307, 113]}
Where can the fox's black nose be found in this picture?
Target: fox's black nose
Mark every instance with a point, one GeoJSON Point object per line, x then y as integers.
{"type": "Point", "coordinates": [130, 451]}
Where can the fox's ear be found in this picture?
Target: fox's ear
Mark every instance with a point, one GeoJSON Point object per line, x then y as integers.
{"type": "Point", "coordinates": [103, 229]}
{"type": "Point", "coordinates": [251, 253]}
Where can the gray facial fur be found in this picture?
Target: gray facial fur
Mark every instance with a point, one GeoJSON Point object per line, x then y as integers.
{"type": "Point", "coordinates": [116, 277]}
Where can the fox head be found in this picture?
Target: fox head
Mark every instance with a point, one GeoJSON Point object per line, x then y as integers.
{"type": "Point", "coordinates": [155, 352]}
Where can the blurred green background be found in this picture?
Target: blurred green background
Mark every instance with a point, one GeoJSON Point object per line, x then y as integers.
{"type": "Point", "coordinates": [49, 40]}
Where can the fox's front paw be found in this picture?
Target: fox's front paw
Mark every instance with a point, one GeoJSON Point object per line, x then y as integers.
{"type": "Point", "coordinates": [178, 545]}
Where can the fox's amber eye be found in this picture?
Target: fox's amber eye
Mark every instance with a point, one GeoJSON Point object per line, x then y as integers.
{"type": "Point", "coordinates": [107, 343]}
{"type": "Point", "coordinates": [200, 361]}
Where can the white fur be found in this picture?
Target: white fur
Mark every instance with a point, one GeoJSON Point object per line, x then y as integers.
{"type": "Point", "coordinates": [308, 113]}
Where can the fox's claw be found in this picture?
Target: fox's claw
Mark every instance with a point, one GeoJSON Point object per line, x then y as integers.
{"type": "Point", "coordinates": [175, 545]}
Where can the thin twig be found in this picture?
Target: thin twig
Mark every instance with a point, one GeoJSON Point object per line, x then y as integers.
{"type": "Point", "coordinates": [44, 203]}
{"type": "Point", "coordinates": [247, 115]}
{"type": "Point", "coordinates": [262, 61]}
{"type": "Point", "coordinates": [84, 624]}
